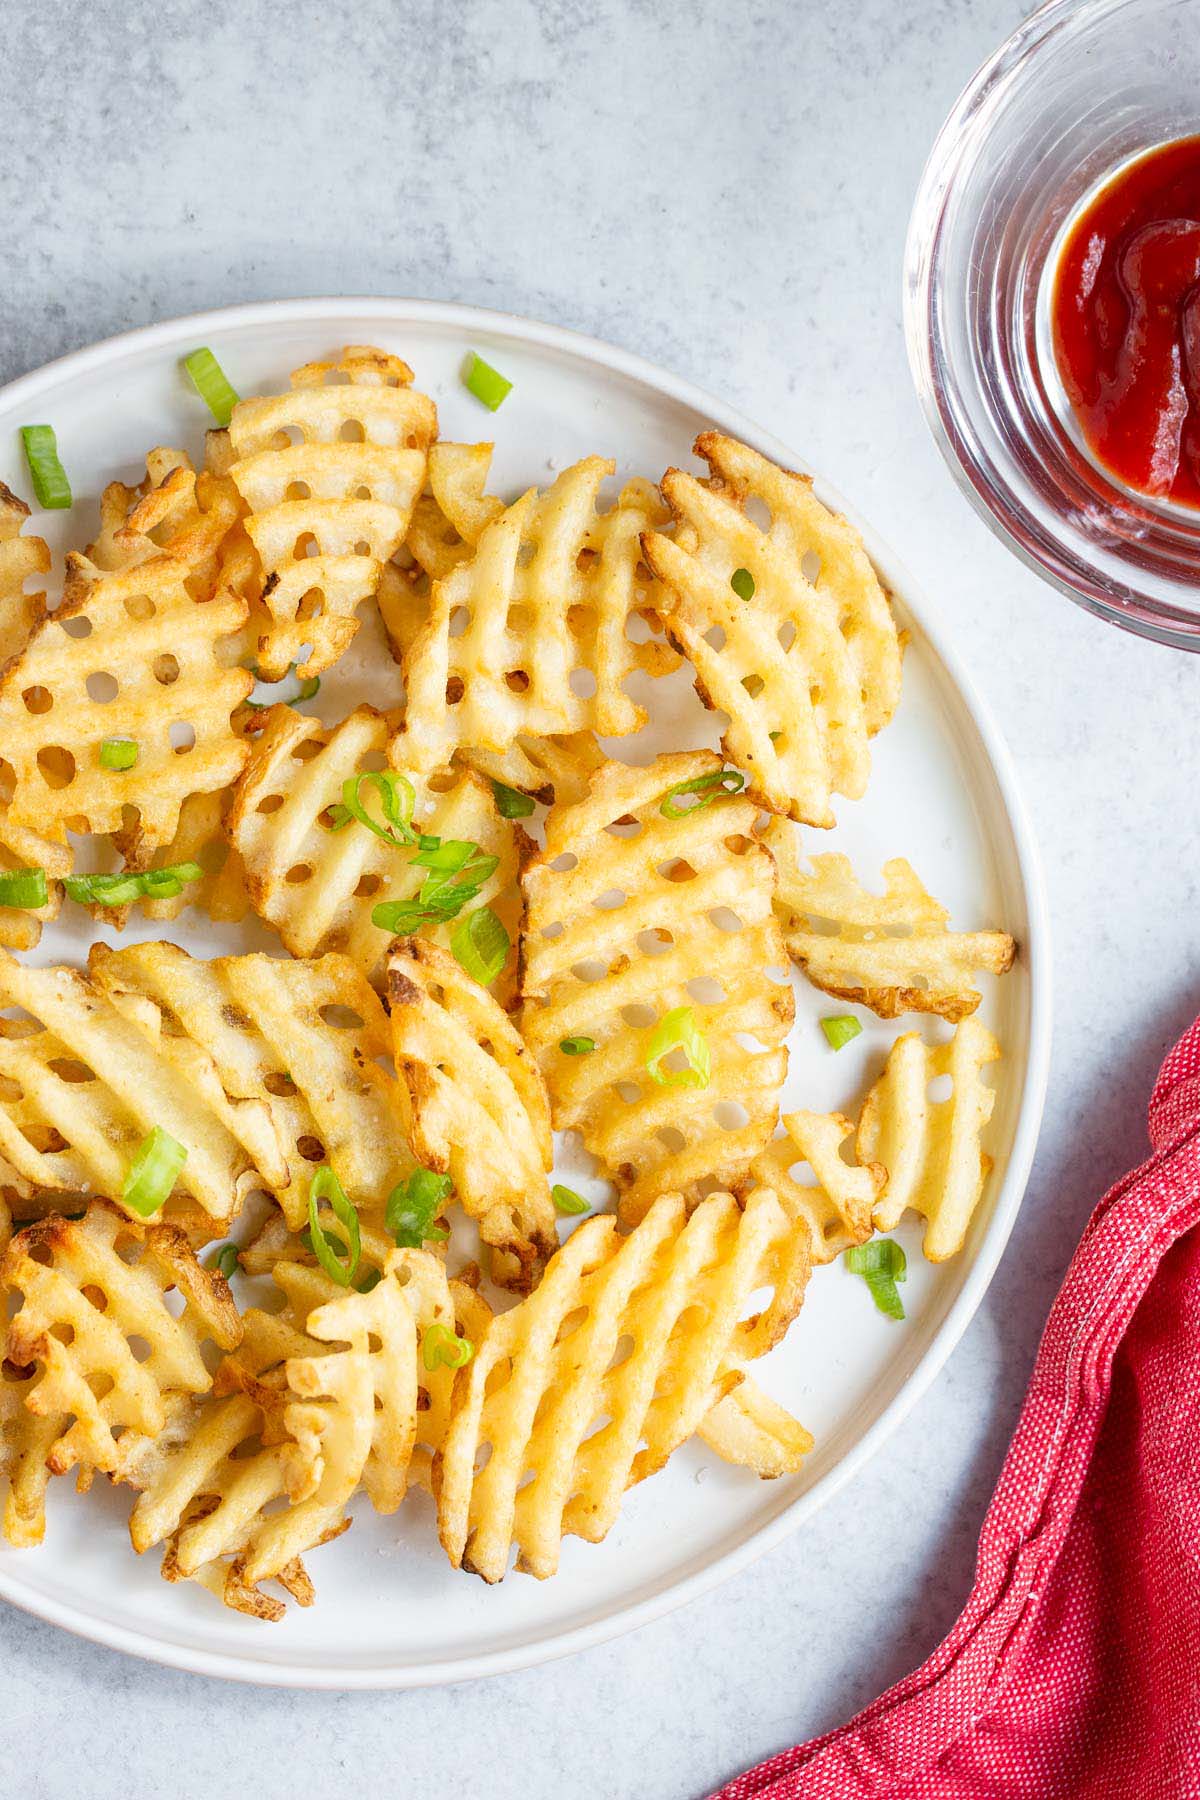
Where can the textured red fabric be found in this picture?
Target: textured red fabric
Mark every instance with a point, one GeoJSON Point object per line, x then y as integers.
{"type": "Point", "coordinates": [1074, 1669]}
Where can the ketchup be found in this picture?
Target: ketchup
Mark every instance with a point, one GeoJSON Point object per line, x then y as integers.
{"type": "Point", "coordinates": [1126, 321]}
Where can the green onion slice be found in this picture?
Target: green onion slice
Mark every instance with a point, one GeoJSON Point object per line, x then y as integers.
{"type": "Point", "coordinates": [226, 1260]}
{"type": "Point", "coordinates": [677, 1030]}
{"type": "Point", "coordinates": [577, 1046]}
{"type": "Point", "coordinates": [123, 888]}
{"type": "Point", "coordinates": [718, 784]}
{"type": "Point", "coordinates": [397, 798]}
{"type": "Point", "coordinates": [840, 1029]}
{"type": "Point", "coordinates": [481, 945]}
{"type": "Point", "coordinates": [25, 889]}
{"type": "Point", "coordinates": [118, 753]}
{"type": "Point", "coordinates": [742, 583]}
{"type": "Point", "coordinates": [340, 1264]}
{"type": "Point", "coordinates": [441, 1348]}
{"type": "Point", "coordinates": [50, 482]}
{"type": "Point", "coordinates": [487, 384]}
{"type": "Point", "coordinates": [152, 1173]}
{"type": "Point", "coordinates": [457, 869]}
{"type": "Point", "coordinates": [413, 1205]}
{"type": "Point", "coordinates": [882, 1263]}
{"type": "Point", "coordinates": [566, 1200]}
{"type": "Point", "coordinates": [511, 802]}
{"type": "Point", "coordinates": [212, 384]}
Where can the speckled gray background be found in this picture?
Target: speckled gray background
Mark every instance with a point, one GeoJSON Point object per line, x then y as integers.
{"type": "Point", "coordinates": [723, 187]}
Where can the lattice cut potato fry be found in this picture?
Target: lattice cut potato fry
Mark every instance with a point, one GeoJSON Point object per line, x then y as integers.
{"type": "Point", "coordinates": [93, 1317]}
{"type": "Point", "coordinates": [330, 473]}
{"type": "Point", "coordinates": [451, 517]}
{"type": "Point", "coordinates": [550, 768]}
{"type": "Point", "coordinates": [174, 511]}
{"type": "Point", "coordinates": [22, 559]}
{"type": "Point", "coordinates": [750, 1429]}
{"type": "Point", "coordinates": [839, 1202]}
{"type": "Point", "coordinates": [318, 886]}
{"type": "Point", "coordinates": [631, 914]}
{"type": "Point", "coordinates": [644, 1333]}
{"type": "Point", "coordinates": [808, 667]}
{"type": "Point", "coordinates": [474, 1104]}
{"type": "Point", "coordinates": [891, 952]}
{"type": "Point", "coordinates": [529, 635]}
{"type": "Point", "coordinates": [931, 1148]}
{"type": "Point", "coordinates": [26, 1440]}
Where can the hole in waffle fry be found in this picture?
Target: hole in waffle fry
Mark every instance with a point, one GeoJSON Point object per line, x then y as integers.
{"type": "Point", "coordinates": [311, 1149]}
{"type": "Point", "coordinates": [571, 1323]}
{"type": "Point", "coordinates": [725, 919]}
{"type": "Point", "coordinates": [10, 1091]}
{"type": "Point", "coordinates": [297, 490]}
{"type": "Point", "coordinates": [593, 968]}
{"type": "Point", "coordinates": [622, 1351]}
{"type": "Point", "coordinates": [342, 1018]}
{"type": "Point", "coordinates": [351, 432]}
{"type": "Point", "coordinates": [671, 1138]}
{"type": "Point", "coordinates": [279, 1084]}
{"type": "Point", "coordinates": [640, 1014]}
{"type": "Point", "coordinates": [757, 511]}
{"type": "Point", "coordinates": [298, 873]}
{"type": "Point", "coordinates": [67, 1068]}
{"type": "Point", "coordinates": [786, 634]}
{"type": "Point", "coordinates": [166, 668]}
{"type": "Point", "coordinates": [57, 766]}
{"type": "Point", "coordinates": [583, 683]}
{"type": "Point", "coordinates": [271, 803]}
{"type": "Point", "coordinates": [370, 884]}
{"type": "Point", "coordinates": [629, 1092]}
{"type": "Point", "coordinates": [64, 1332]}
{"type": "Point", "coordinates": [460, 618]}
{"type": "Point", "coordinates": [939, 1089]}
{"type": "Point", "coordinates": [140, 607]}
{"type": "Point", "coordinates": [706, 990]}
{"type": "Point", "coordinates": [517, 680]}
{"type": "Point", "coordinates": [139, 1348]}
{"type": "Point", "coordinates": [182, 736]}
{"type": "Point", "coordinates": [730, 1115]}
{"type": "Point", "coordinates": [802, 1174]}
{"type": "Point", "coordinates": [676, 869]}
{"type": "Point", "coordinates": [567, 860]}
{"type": "Point", "coordinates": [553, 931]}
{"type": "Point", "coordinates": [715, 636]}
{"type": "Point", "coordinates": [102, 686]}
{"type": "Point", "coordinates": [610, 900]}
{"type": "Point", "coordinates": [654, 941]}
{"type": "Point", "coordinates": [810, 567]}
{"type": "Point", "coordinates": [754, 685]}
{"type": "Point", "coordinates": [455, 689]}
{"type": "Point", "coordinates": [37, 699]}
{"type": "Point", "coordinates": [362, 548]}
{"type": "Point", "coordinates": [77, 627]}
{"type": "Point", "coordinates": [306, 545]}
{"type": "Point", "coordinates": [312, 604]}
{"type": "Point", "coordinates": [526, 554]}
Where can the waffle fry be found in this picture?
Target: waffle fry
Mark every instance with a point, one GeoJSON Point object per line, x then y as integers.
{"type": "Point", "coordinates": [21, 558]}
{"type": "Point", "coordinates": [25, 1442]}
{"type": "Point", "coordinates": [550, 769]}
{"type": "Point", "coordinates": [172, 512]}
{"type": "Point", "coordinates": [806, 669]}
{"type": "Point", "coordinates": [543, 606]}
{"type": "Point", "coordinates": [747, 1427]}
{"type": "Point", "coordinates": [931, 1148]}
{"type": "Point", "coordinates": [318, 886]}
{"type": "Point", "coordinates": [838, 1205]}
{"type": "Point", "coordinates": [474, 1105]}
{"type": "Point", "coordinates": [651, 914]}
{"type": "Point", "coordinates": [200, 838]}
{"type": "Point", "coordinates": [330, 473]}
{"type": "Point", "coordinates": [671, 1296]}
{"type": "Point", "coordinates": [100, 1292]}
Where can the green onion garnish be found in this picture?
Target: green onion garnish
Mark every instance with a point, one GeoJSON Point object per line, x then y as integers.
{"type": "Point", "coordinates": [152, 1173]}
{"type": "Point", "coordinates": [118, 753]}
{"type": "Point", "coordinates": [24, 888]}
{"type": "Point", "coordinates": [882, 1263]}
{"type": "Point", "coordinates": [457, 871]}
{"type": "Point", "coordinates": [487, 384]}
{"type": "Point", "coordinates": [839, 1029]}
{"type": "Point", "coordinates": [481, 945]}
{"type": "Point", "coordinates": [397, 797]}
{"type": "Point", "coordinates": [123, 888]}
{"type": "Point", "coordinates": [511, 802]}
{"type": "Point", "coordinates": [716, 785]}
{"type": "Point", "coordinates": [440, 1348]}
{"type": "Point", "coordinates": [742, 583]}
{"type": "Point", "coordinates": [577, 1046]}
{"type": "Point", "coordinates": [307, 688]}
{"type": "Point", "coordinates": [566, 1200]}
{"type": "Point", "coordinates": [413, 1205]}
{"type": "Point", "coordinates": [226, 1260]}
{"type": "Point", "coordinates": [50, 482]}
{"type": "Point", "coordinates": [212, 384]}
{"type": "Point", "coordinates": [677, 1030]}
{"type": "Point", "coordinates": [339, 1264]}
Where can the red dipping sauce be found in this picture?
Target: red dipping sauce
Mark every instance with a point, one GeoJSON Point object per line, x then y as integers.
{"type": "Point", "coordinates": [1125, 314]}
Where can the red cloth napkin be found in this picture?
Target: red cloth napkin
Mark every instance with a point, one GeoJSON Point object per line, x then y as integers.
{"type": "Point", "coordinates": [1074, 1669]}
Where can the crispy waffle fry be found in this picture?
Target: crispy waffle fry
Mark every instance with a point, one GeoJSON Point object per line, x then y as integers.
{"type": "Point", "coordinates": [807, 669]}
{"type": "Point", "coordinates": [838, 1204]}
{"type": "Point", "coordinates": [644, 1335]}
{"type": "Point", "coordinates": [21, 559]}
{"type": "Point", "coordinates": [26, 1440]}
{"type": "Point", "coordinates": [84, 1311]}
{"type": "Point", "coordinates": [631, 914]}
{"type": "Point", "coordinates": [529, 634]}
{"type": "Point", "coordinates": [318, 886]}
{"type": "Point", "coordinates": [200, 838]}
{"type": "Point", "coordinates": [891, 952]}
{"type": "Point", "coordinates": [931, 1147]}
{"type": "Point", "coordinates": [551, 768]}
{"type": "Point", "coordinates": [474, 1104]}
{"type": "Point", "coordinates": [330, 473]}
{"type": "Point", "coordinates": [747, 1427]}
{"type": "Point", "coordinates": [173, 512]}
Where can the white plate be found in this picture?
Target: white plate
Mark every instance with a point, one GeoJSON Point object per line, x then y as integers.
{"type": "Point", "coordinates": [390, 1612]}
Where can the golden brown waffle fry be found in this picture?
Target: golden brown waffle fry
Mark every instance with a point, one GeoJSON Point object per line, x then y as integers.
{"type": "Point", "coordinates": [587, 1386]}
{"type": "Point", "coordinates": [93, 1317]}
{"type": "Point", "coordinates": [318, 886]}
{"type": "Point", "coordinates": [276, 1242]}
{"type": "Point", "coordinates": [838, 1204]}
{"type": "Point", "coordinates": [25, 1442]}
{"type": "Point", "coordinates": [173, 512]}
{"type": "Point", "coordinates": [330, 473]}
{"type": "Point", "coordinates": [200, 837]}
{"type": "Point", "coordinates": [807, 669]}
{"type": "Point", "coordinates": [931, 1147]}
{"type": "Point", "coordinates": [631, 914]}
{"type": "Point", "coordinates": [474, 1104]}
{"type": "Point", "coordinates": [551, 768]}
{"type": "Point", "coordinates": [21, 558]}
{"type": "Point", "coordinates": [891, 952]}
{"type": "Point", "coordinates": [451, 518]}
{"type": "Point", "coordinates": [529, 635]}
{"type": "Point", "coordinates": [747, 1427]}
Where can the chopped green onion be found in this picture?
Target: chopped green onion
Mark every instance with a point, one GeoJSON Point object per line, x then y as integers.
{"type": "Point", "coordinates": [339, 1265]}
{"type": "Point", "coordinates": [481, 944]}
{"type": "Point", "coordinates": [577, 1046]}
{"type": "Point", "coordinates": [123, 888]}
{"type": "Point", "coordinates": [212, 384]}
{"type": "Point", "coordinates": [118, 753]}
{"type": "Point", "coordinates": [718, 784]}
{"type": "Point", "coordinates": [457, 872]}
{"type": "Point", "coordinates": [413, 1205]}
{"type": "Point", "coordinates": [677, 1030]}
{"type": "Point", "coordinates": [840, 1029]}
{"type": "Point", "coordinates": [307, 688]}
{"type": "Point", "coordinates": [882, 1263]}
{"type": "Point", "coordinates": [487, 384]}
{"type": "Point", "coordinates": [742, 583]}
{"type": "Point", "coordinates": [151, 1175]}
{"type": "Point", "coordinates": [25, 889]}
{"type": "Point", "coordinates": [566, 1200]}
{"type": "Point", "coordinates": [440, 1348]}
{"type": "Point", "coordinates": [511, 802]}
{"type": "Point", "coordinates": [226, 1260]}
{"type": "Point", "coordinates": [50, 482]}
{"type": "Point", "coordinates": [397, 797]}
{"type": "Point", "coordinates": [368, 1282]}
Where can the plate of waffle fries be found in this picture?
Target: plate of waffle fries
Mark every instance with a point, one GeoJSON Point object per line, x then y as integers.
{"type": "Point", "coordinates": [523, 992]}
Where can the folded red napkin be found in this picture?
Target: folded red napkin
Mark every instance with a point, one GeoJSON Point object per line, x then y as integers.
{"type": "Point", "coordinates": [1074, 1669]}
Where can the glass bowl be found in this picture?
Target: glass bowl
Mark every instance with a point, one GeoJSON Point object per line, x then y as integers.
{"type": "Point", "coordinates": [1080, 89]}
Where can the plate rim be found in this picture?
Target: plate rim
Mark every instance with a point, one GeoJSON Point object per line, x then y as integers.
{"type": "Point", "coordinates": [400, 311]}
